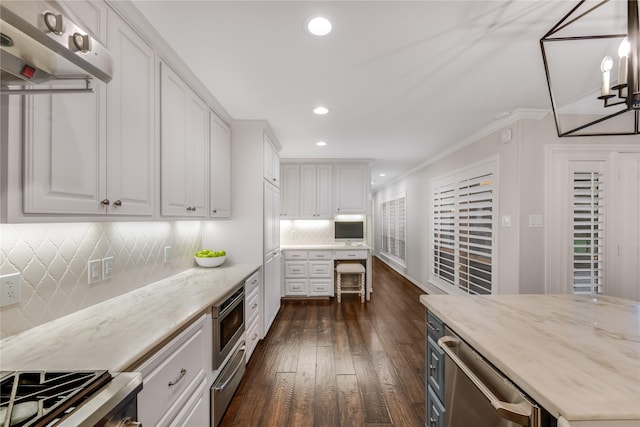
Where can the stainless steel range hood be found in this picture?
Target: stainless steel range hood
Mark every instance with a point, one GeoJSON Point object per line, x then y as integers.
{"type": "Point", "coordinates": [41, 41]}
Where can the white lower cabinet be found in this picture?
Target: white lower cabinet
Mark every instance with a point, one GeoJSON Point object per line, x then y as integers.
{"type": "Point", "coordinates": [308, 273]}
{"type": "Point", "coordinates": [175, 379]}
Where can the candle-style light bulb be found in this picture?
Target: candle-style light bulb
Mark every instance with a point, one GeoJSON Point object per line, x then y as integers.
{"type": "Point", "coordinates": [605, 67]}
{"type": "Point", "coordinates": [623, 53]}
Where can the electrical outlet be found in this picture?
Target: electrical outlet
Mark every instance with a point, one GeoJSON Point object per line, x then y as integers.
{"type": "Point", "coordinates": [167, 253]}
{"type": "Point", "coordinates": [9, 289]}
{"type": "Point", "coordinates": [94, 271]}
{"type": "Point", "coordinates": [108, 265]}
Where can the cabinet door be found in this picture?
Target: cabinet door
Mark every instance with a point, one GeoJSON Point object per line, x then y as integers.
{"type": "Point", "coordinates": [271, 161]}
{"type": "Point", "coordinates": [220, 183]}
{"type": "Point", "coordinates": [64, 152]}
{"type": "Point", "coordinates": [174, 95]}
{"type": "Point", "coordinates": [308, 191]}
{"type": "Point", "coordinates": [324, 191]}
{"type": "Point", "coordinates": [272, 290]}
{"type": "Point", "coordinates": [198, 147]}
{"type": "Point", "coordinates": [268, 218]}
{"type": "Point", "coordinates": [130, 116]}
{"type": "Point", "coordinates": [351, 188]}
{"type": "Point", "coordinates": [290, 186]}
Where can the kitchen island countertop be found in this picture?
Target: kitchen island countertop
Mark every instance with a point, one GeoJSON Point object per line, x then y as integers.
{"type": "Point", "coordinates": [117, 333]}
{"type": "Point", "coordinates": [578, 358]}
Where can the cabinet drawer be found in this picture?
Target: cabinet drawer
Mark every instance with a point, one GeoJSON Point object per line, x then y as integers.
{"type": "Point", "coordinates": [320, 269]}
{"type": "Point", "coordinates": [251, 307]}
{"type": "Point", "coordinates": [251, 283]}
{"type": "Point", "coordinates": [321, 287]}
{"type": "Point", "coordinates": [320, 255]}
{"type": "Point", "coordinates": [350, 255]}
{"type": "Point", "coordinates": [295, 269]}
{"type": "Point", "coordinates": [435, 327]}
{"type": "Point", "coordinates": [295, 255]}
{"type": "Point", "coordinates": [251, 338]}
{"type": "Point", "coordinates": [296, 287]}
{"type": "Point", "coordinates": [169, 375]}
{"type": "Point", "coordinates": [435, 368]}
{"type": "Point", "coordinates": [435, 410]}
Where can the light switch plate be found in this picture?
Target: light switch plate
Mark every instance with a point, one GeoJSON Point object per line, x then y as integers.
{"type": "Point", "coordinates": [506, 220]}
{"type": "Point", "coordinates": [94, 270]}
{"type": "Point", "coordinates": [108, 265]}
{"type": "Point", "coordinates": [535, 221]}
{"type": "Point", "coordinates": [167, 253]}
{"type": "Point", "coordinates": [10, 289]}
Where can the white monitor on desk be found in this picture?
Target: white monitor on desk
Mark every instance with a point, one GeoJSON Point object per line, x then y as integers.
{"type": "Point", "coordinates": [349, 231]}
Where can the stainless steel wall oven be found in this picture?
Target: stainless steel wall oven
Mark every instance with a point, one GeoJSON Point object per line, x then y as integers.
{"type": "Point", "coordinates": [228, 325]}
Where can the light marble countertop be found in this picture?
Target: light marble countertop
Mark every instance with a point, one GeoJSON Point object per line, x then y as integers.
{"type": "Point", "coordinates": [116, 333]}
{"type": "Point", "coordinates": [577, 358]}
{"type": "Point", "coordinates": [337, 246]}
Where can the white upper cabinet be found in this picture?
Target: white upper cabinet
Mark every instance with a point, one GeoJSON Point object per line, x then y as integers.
{"type": "Point", "coordinates": [351, 188]}
{"type": "Point", "coordinates": [290, 200]}
{"type": "Point", "coordinates": [184, 136]}
{"type": "Point", "coordinates": [65, 141]}
{"type": "Point", "coordinates": [316, 192]}
{"type": "Point", "coordinates": [220, 146]}
{"type": "Point", "coordinates": [131, 142]}
{"type": "Point", "coordinates": [271, 161]}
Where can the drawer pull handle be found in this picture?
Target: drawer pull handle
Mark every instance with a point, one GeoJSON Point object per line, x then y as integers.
{"type": "Point", "coordinates": [432, 421]}
{"type": "Point", "coordinates": [255, 304]}
{"type": "Point", "coordinates": [432, 327]}
{"type": "Point", "coordinates": [253, 338]}
{"type": "Point", "coordinates": [432, 368]}
{"type": "Point", "coordinates": [183, 372]}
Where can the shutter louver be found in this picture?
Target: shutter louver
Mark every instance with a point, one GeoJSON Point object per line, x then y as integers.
{"type": "Point", "coordinates": [393, 228]}
{"type": "Point", "coordinates": [588, 235]}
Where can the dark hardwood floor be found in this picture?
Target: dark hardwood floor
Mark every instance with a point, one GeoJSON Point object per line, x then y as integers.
{"type": "Point", "coordinates": [330, 364]}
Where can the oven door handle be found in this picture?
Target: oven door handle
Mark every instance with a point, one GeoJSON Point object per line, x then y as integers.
{"type": "Point", "coordinates": [509, 411]}
{"type": "Point", "coordinates": [221, 387]}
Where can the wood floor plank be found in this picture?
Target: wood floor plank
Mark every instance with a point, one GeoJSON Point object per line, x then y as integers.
{"type": "Point", "coordinates": [342, 351]}
{"type": "Point", "coordinates": [375, 405]}
{"type": "Point", "coordinates": [349, 401]}
{"type": "Point", "coordinates": [400, 407]}
{"type": "Point", "coordinates": [303, 406]}
{"type": "Point", "coordinates": [280, 400]}
{"type": "Point", "coordinates": [326, 392]}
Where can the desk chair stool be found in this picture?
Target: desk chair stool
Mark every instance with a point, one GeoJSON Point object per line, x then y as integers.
{"type": "Point", "coordinates": [350, 268]}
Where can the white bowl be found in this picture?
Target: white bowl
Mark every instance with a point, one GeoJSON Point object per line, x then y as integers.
{"type": "Point", "coordinates": [210, 261]}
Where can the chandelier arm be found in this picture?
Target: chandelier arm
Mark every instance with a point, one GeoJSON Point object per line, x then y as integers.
{"type": "Point", "coordinates": [598, 37]}
{"type": "Point", "coordinates": [595, 122]}
{"type": "Point", "coordinates": [558, 28]}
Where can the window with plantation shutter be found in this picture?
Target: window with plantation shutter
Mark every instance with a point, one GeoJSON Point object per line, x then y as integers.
{"type": "Point", "coordinates": [463, 230]}
{"type": "Point", "coordinates": [588, 232]}
{"type": "Point", "coordinates": [394, 228]}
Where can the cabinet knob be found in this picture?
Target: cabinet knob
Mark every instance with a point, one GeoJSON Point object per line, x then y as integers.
{"type": "Point", "coordinates": [432, 368]}
{"type": "Point", "coordinates": [191, 208]}
{"type": "Point", "coordinates": [105, 202]}
{"type": "Point", "coordinates": [117, 203]}
{"type": "Point", "coordinates": [432, 421]}
{"type": "Point", "coordinates": [54, 23]}
{"type": "Point", "coordinates": [82, 42]}
{"type": "Point", "coordinates": [215, 211]}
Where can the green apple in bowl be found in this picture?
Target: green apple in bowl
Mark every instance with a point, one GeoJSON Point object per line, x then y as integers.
{"type": "Point", "coordinates": [210, 258]}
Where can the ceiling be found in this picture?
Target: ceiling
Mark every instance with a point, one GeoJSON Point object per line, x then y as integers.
{"type": "Point", "coordinates": [403, 80]}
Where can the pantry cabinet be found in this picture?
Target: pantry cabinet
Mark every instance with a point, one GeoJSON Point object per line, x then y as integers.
{"type": "Point", "coordinates": [271, 161]}
{"type": "Point", "coordinates": [220, 182]}
{"type": "Point", "coordinates": [184, 148]}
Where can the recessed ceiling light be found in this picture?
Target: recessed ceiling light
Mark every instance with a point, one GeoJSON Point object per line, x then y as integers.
{"type": "Point", "coordinates": [319, 26]}
{"type": "Point", "coordinates": [383, 174]}
{"type": "Point", "coordinates": [321, 143]}
{"type": "Point", "coordinates": [321, 111]}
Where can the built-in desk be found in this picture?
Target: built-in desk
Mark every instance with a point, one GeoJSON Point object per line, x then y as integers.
{"type": "Point", "coordinates": [309, 269]}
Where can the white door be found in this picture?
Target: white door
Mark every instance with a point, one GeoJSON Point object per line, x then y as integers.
{"type": "Point", "coordinates": [220, 182]}
{"type": "Point", "coordinates": [268, 218]}
{"type": "Point", "coordinates": [290, 186]}
{"type": "Point", "coordinates": [198, 147]}
{"type": "Point", "coordinates": [272, 291]}
{"type": "Point", "coordinates": [351, 189]}
{"type": "Point", "coordinates": [324, 191]}
{"type": "Point", "coordinates": [130, 114]}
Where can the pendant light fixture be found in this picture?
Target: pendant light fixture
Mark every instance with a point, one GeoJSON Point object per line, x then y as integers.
{"type": "Point", "coordinates": [591, 93]}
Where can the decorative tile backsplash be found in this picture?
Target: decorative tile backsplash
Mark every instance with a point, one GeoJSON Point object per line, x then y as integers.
{"type": "Point", "coordinates": [52, 259]}
{"type": "Point", "coordinates": [306, 232]}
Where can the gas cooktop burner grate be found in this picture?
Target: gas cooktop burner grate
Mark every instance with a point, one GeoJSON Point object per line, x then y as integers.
{"type": "Point", "coordinates": [39, 398]}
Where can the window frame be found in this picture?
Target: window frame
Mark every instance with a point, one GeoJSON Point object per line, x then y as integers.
{"type": "Point", "coordinates": [400, 227]}
{"type": "Point", "coordinates": [453, 181]}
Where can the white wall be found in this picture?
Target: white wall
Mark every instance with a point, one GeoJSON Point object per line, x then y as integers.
{"type": "Point", "coordinates": [521, 193]}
